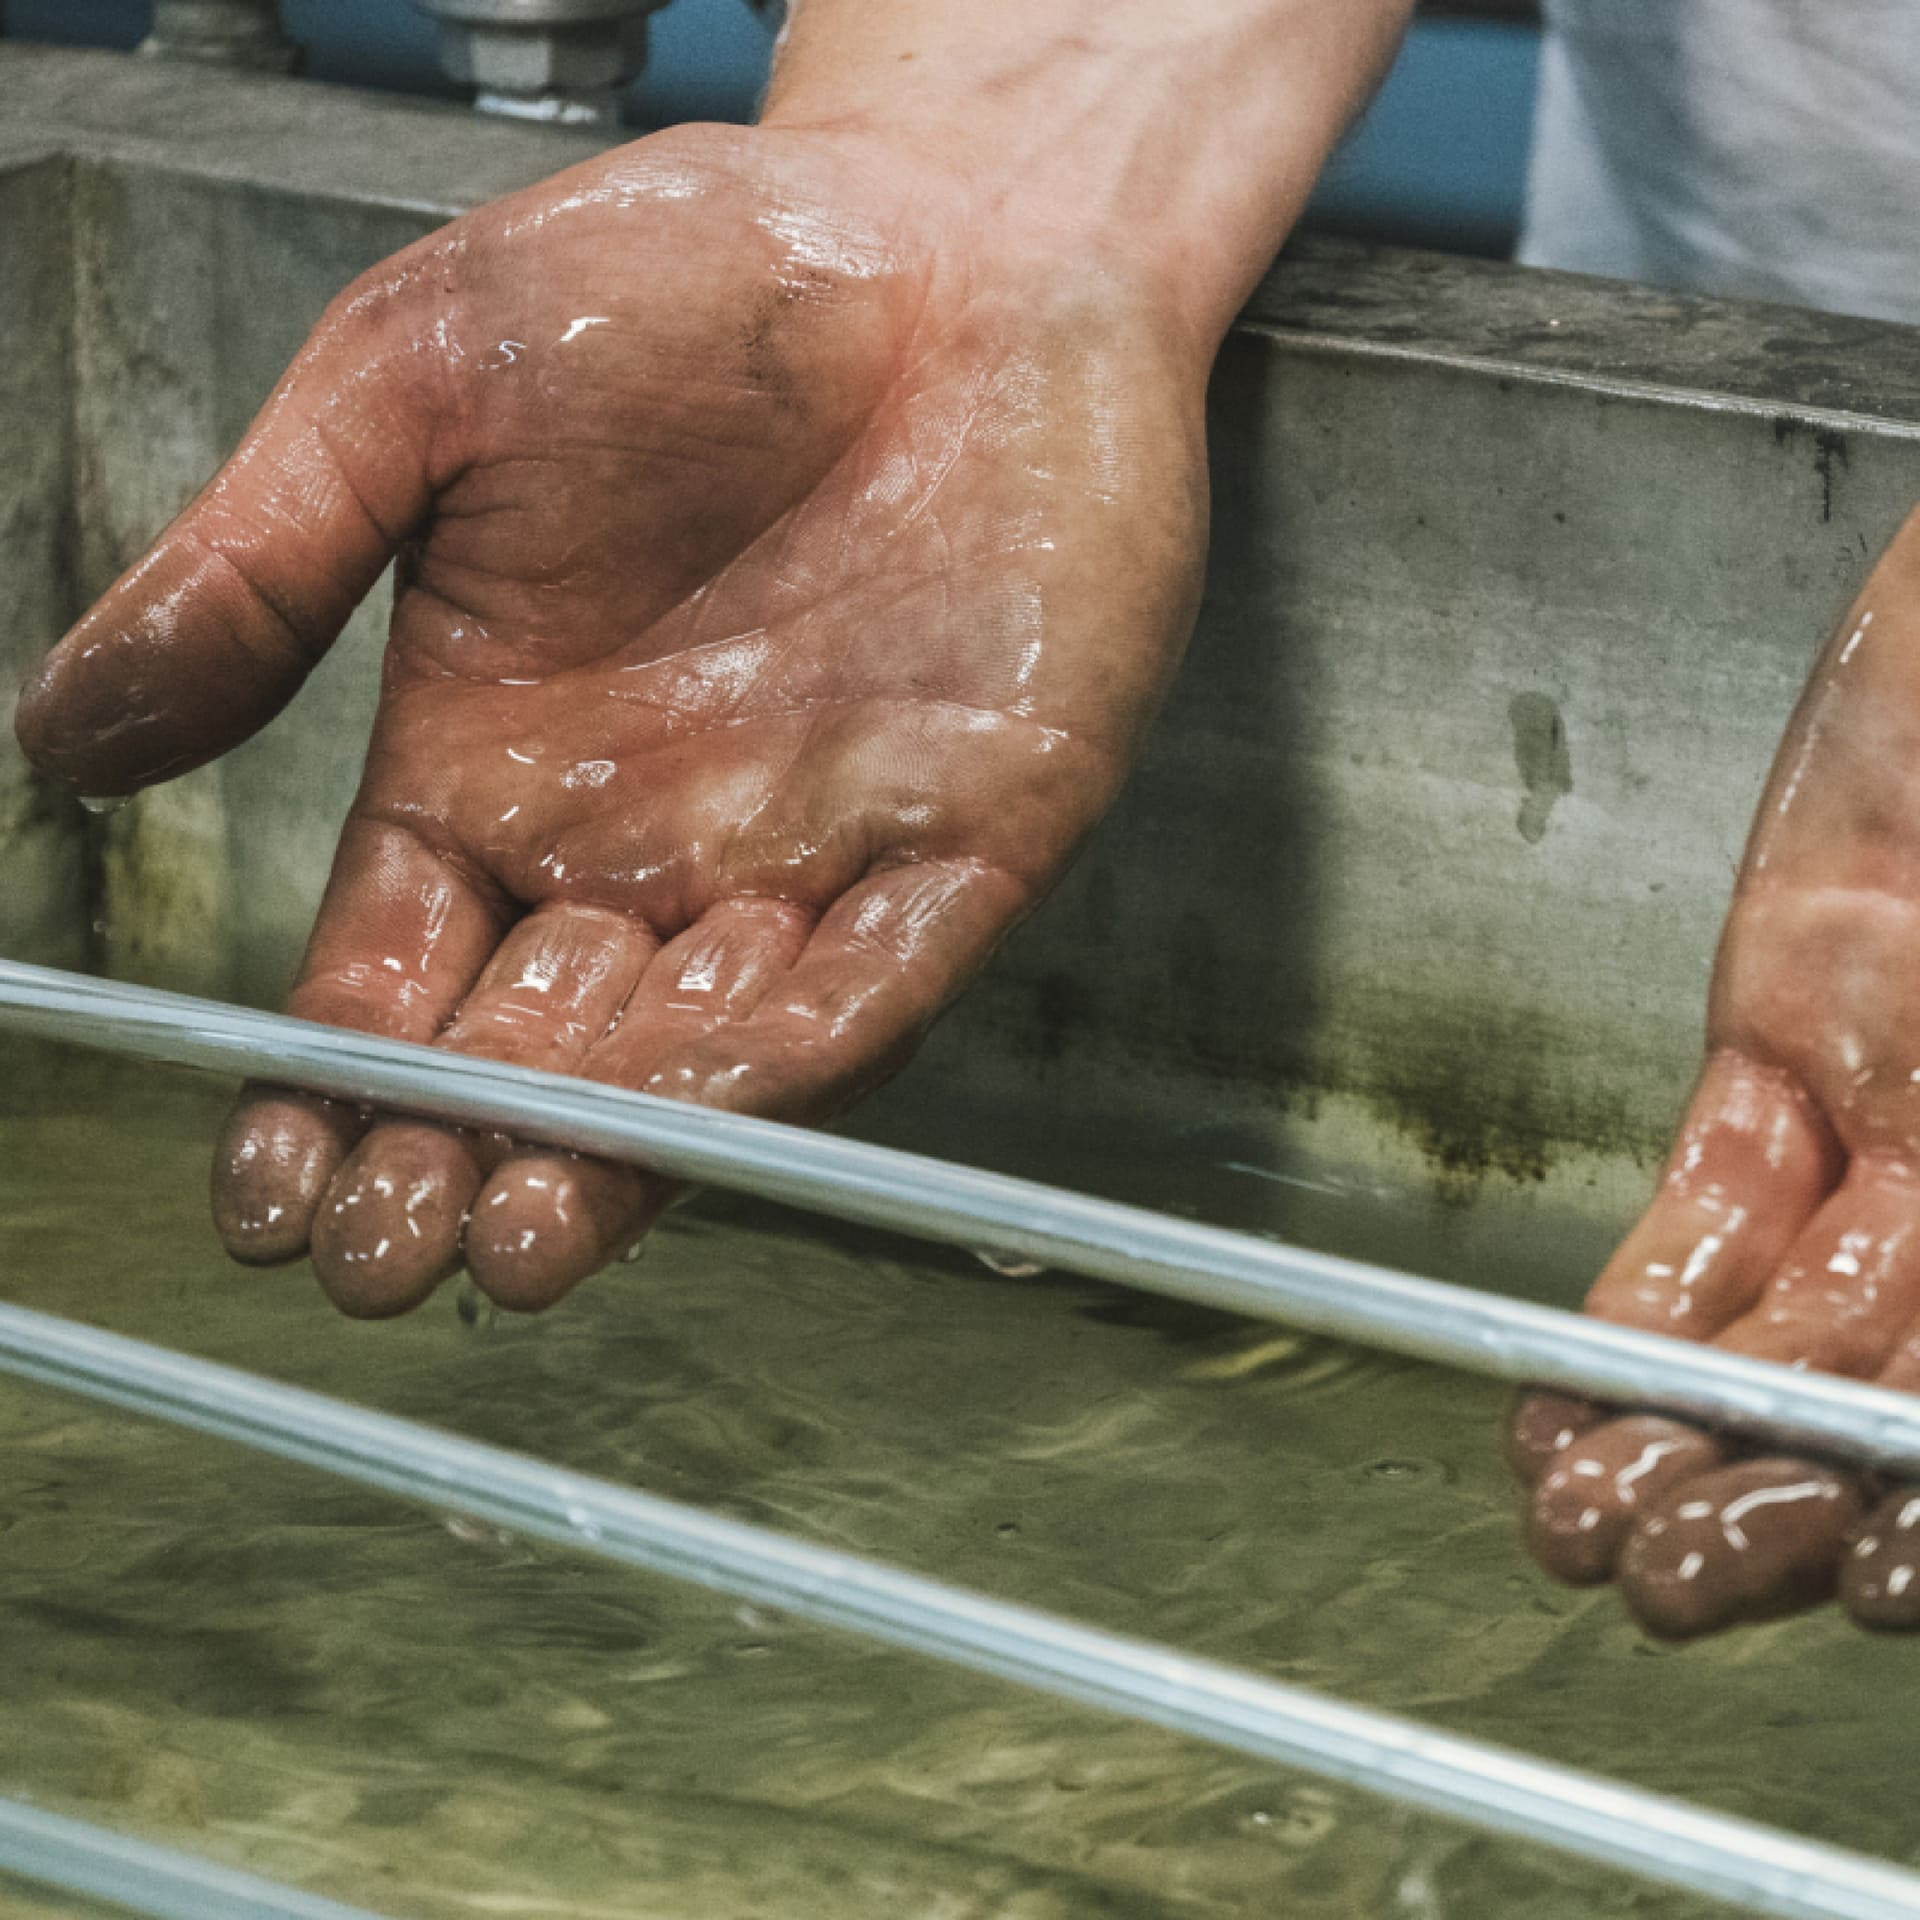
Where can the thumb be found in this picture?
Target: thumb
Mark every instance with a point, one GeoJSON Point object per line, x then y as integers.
{"type": "Point", "coordinates": [203, 641]}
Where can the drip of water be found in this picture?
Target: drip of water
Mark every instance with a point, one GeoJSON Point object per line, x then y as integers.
{"type": "Point", "coordinates": [1011, 1266]}
{"type": "Point", "coordinates": [473, 1306]}
{"type": "Point", "coordinates": [99, 803]}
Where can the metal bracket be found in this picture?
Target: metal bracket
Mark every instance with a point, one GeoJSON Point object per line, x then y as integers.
{"type": "Point", "coordinates": [552, 60]}
{"type": "Point", "coordinates": [231, 33]}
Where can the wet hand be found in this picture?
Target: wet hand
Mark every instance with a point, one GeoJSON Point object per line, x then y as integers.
{"type": "Point", "coordinates": [789, 559]}
{"type": "Point", "coordinates": [1787, 1223]}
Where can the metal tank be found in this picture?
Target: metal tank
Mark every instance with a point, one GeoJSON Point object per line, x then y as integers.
{"type": "Point", "coordinates": [1514, 580]}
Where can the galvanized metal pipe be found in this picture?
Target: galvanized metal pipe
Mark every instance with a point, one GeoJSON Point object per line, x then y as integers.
{"type": "Point", "coordinates": [137, 1877]}
{"type": "Point", "coordinates": [908, 1193]}
{"type": "Point", "coordinates": [1758, 1868]}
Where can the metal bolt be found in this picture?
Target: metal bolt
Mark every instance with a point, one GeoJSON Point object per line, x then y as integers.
{"type": "Point", "coordinates": [231, 33]}
{"type": "Point", "coordinates": [543, 59]}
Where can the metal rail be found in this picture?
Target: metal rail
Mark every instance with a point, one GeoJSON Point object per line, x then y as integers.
{"type": "Point", "coordinates": [1758, 1868]}
{"type": "Point", "coordinates": [877, 1186]}
{"type": "Point", "coordinates": [138, 1877]}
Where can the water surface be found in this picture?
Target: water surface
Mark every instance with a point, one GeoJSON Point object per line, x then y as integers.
{"type": "Point", "coordinates": [248, 1661]}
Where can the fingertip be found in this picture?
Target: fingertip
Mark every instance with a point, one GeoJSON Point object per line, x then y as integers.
{"type": "Point", "coordinates": [1542, 1425]}
{"type": "Point", "coordinates": [1880, 1576]}
{"type": "Point", "coordinates": [178, 661]}
{"type": "Point", "coordinates": [546, 1221]}
{"type": "Point", "coordinates": [53, 728]}
{"type": "Point", "coordinates": [1586, 1502]}
{"type": "Point", "coordinates": [1748, 1542]}
{"type": "Point", "coordinates": [275, 1157]}
{"type": "Point", "coordinates": [388, 1230]}
{"type": "Point", "coordinates": [32, 715]}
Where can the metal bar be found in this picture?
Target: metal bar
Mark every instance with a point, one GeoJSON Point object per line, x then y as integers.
{"type": "Point", "coordinates": [908, 1193]}
{"type": "Point", "coordinates": [1758, 1868]}
{"type": "Point", "coordinates": [140, 1878]}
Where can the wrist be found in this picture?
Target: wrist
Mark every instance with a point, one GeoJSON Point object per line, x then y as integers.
{"type": "Point", "coordinates": [1166, 150]}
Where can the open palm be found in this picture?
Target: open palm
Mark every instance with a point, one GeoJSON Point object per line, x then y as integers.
{"type": "Point", "coordinates": [786, 574]}
{"type": "Point", "coordinates": [1787, 1224]}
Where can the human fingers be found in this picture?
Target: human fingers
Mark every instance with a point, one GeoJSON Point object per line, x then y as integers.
{"type": "Point", "coordinates": [276, 1153]}
{"type": "Point", "coordinates": [1849, 1287]}
{"type": "Point", "coordinates": [400, 937]}
{"type": "Point", "coordinates": [549, 1219]}
{"type": "Point", "coordinates": [1541, 1426]}
{"type": "Point", "coordinates": [796, 1027]}
{"type": "Point", "coordinates": [1749, 1170]}
{"type": "Point", "coordinates": [1841, 1301]}
{"type": "Point", "coordinates": [1759, 1539]}
{"type": "Point", "coordinates": [389, 1227]}
{"type": "Point", "coordinates": [1744, 1542]}
{"type": "Point", "coordinates": [1585, 1503]}
{"type": "Point", "coordinates": [1752, 1162]}
{"type": "Point", "coordinates": [1880, 1576]}
{"type": "Point", "coordinates": [879, 968]}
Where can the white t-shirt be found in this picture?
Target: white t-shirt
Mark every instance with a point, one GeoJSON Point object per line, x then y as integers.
{"type": "Point", "coordinates": [1760, 147]}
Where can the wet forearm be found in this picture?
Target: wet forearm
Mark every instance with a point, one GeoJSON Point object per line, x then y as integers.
{"type": "Point", "coordinates": [1177, 139]}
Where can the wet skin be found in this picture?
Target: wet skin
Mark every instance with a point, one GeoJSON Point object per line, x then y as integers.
{"type": "Point", "coordinates": [1787, 1222]}
{"type": "Point", "coordinates": [789, 566]}
{"type": "Point", "coordinates": [780, 600]}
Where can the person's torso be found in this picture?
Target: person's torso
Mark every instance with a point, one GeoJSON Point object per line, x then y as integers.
{"type": "Point", "coordinates": [1760, 147]}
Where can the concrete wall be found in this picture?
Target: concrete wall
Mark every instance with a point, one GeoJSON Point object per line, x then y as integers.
{"type": "Point", "coordinates": [44, 910]}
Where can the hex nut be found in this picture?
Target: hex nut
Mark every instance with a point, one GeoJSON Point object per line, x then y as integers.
{"type": "Point", "coordinates": [521, 14]}
{"type": "Point", "coordinates": [590, 57]}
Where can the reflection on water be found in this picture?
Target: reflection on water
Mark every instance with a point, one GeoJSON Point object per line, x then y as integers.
{"type": "Point", "coordinates": [433, 1719]}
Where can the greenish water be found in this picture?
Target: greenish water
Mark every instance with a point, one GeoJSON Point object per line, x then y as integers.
{"type": "Point", "coordinates": [250, 1662]}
